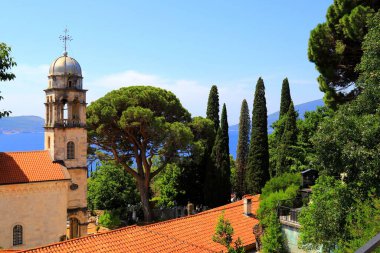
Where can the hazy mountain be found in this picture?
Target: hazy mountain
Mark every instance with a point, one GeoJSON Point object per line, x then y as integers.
{"type": "Point", "coordinates": [26, 132]}
{"type": "Point", "coordinates": [21, 124]}
{"type": "Point", "coordinates": [301, 108]}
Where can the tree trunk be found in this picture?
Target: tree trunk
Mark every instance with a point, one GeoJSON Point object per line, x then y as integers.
{"type": "Point", "coordinates": [144, 195]}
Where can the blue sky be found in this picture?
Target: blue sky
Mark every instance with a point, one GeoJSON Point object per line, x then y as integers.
{"type": "Point", "coordinates": [183, 46]}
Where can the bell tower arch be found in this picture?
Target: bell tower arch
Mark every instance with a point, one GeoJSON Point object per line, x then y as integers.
{"type": "Point", "coordinates": [66, 135]}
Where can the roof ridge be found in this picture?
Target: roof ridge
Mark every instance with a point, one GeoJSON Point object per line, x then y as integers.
{"type": "Point", "coordinates": [81, 238]}
{"type": "Point", "coordinates": [147, 228]}
{"type": "Point", "coordinates": [26, 151]}
{"type": "Point", "coordinates": [216, 209]}
{"type": "Point", "coordinates": [182, 241]}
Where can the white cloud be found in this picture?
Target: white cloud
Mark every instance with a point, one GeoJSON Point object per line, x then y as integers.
{"type": "Point", "coordinates": [192, 94]}
{"type": "Point", "coordinates": [25, 96]}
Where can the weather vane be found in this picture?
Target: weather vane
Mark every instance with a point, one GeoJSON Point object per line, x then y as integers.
{"type": "Point", "coordinates": [65, 38]}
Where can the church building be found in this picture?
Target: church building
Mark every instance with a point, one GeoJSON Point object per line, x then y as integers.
{"type": "Point", "coordinates": [43, 193]}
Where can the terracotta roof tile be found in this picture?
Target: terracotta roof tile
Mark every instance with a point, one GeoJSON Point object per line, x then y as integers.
{"type": "Point", "coordinates": [128, 239]}
{"type": "Point", "coordinates": [31, 166]}
{"type": "Point", "coordinates": [199, 228]}
{"type": "Point", "coordinates": [188, 234]}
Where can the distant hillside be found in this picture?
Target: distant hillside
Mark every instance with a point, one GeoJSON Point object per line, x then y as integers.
{"type": "Point", "coordinates": [301, 108]}
{"type": "Point", "coordinates": [26, 132]}
{"type": "Point", "coordinates": [21, 124]}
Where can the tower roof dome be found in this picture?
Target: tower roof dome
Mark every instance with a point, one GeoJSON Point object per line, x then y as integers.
{"type": "Point", "coordinates": [64, 65]}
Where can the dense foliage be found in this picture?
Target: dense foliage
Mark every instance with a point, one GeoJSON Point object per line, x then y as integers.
{"type": "Point", "coordinates": [110, 187]}
{"type": "Point", "coordinates": [212, 112]}
{"type": "Point", "coordinates": [217, 189]}
{"type": "Point", "coordinates": [336, 48]}
{"type": "Point", "coordinates": [194, 167]}
{"type": "Point", "coordinates": [166, 186]}
{"type": "Point", "coordinates": [282, 189]}
{"type": "Point", "coordinates": [132, 125]}
{"type": "Point", "coordinates": [284, 137]}
{"type": "Point", "coordinates": [347, 151]}
{"type": "Point", "coordinates": [280, 183]}
{"type": "Point", "coordinates": [234, 176]}
{"type": "Point", "coordinates": [348, 143]}
{"type": "Point", "coordinates": [369, 67]}
{"type": "Point", "coordinates": [257, 173]}
{"type": "Point", "coordinates": [6, 64]}
{"type": "Point", "coordinates": [362, 224]}
{"type": "Point", "coordinates": [286, 150]}
{"type": "Point", "coordinates": [242, 148]}
{"type": "Point", "coordinates": [323, 220]}
{"type": "Point", "coordinates": [286, 99]}
{"type": "Point", "coordinates": [110, 219]}
{"type": "Point", "coordinates": [223, 235]}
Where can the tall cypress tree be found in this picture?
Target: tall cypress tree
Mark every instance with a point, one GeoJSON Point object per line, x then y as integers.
{"type": "Point", "coordinates": [288, 142]}
{"type": "Point", "coordinates": [285, 98]}
{"type": "Point", "coordinates": [242, 148]}
{"type": "Point", "coordinates": [258, 157]}
{"type": "Point", "coordinates": [213, 106]}
{"type": "Point", "coordinates": [217, 188]}
{"type": "Point", "coordinates": [289, 136]}
{"type": "Point", "coordinates": [279, 128]}
{"type": "Point", "coordinates": [224, 163]}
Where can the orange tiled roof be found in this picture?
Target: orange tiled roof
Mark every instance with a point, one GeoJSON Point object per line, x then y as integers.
{"type": "Point", "coordinates": [200, 228]}
{"type": "Point", "coordinates": [188, 234]}
{"type": "Point", "coordinates": [31, 166]}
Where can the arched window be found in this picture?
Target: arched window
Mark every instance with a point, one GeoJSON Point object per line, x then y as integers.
{"type": "Point", "coordinates": [48, 142]}
{"type": "Point", "coordinates": [17, 235]}
{"type": "Point", "coordinates": [75, 110]}
{"type": "Point", "coordinates": [65, 111]}
{"type": "Point", "coordinates": [70, 150]}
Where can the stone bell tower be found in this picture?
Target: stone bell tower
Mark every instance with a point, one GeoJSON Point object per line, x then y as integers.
{"type": "Point", "coordinates": [66, 135]}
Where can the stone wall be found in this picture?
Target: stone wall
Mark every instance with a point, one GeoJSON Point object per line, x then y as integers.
{"type": "Point", "coordinates": [40, 208]}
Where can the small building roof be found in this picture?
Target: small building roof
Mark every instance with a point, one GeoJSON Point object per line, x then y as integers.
{"type": "Point", "coordinates": [30, 166]}
{"type": "Point", "coordinates": [188, 234]}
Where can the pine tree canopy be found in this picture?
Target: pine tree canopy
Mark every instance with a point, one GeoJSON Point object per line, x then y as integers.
{"type": "Point", "coordinates": [336, 48]}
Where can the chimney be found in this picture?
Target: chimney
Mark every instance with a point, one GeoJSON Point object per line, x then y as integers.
{"type": "Point", "coordinates": [247, 207]}
{"type": "Point", "coordinates": [190, 208]}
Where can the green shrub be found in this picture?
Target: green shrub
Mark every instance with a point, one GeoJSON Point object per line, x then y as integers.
{"type": "Point", "coordinates": [273, 240]}
{"type": "Point", "coordinates": [223, 235]}
{"type": "Point", "coordinates": [281, 183]}
{"type": "Point", "coordinates": [269, 204]}
{"type": "Point", "coordinates": [166, 186]}
{"type": "Point", "coordinates": [111, 187]}
{"type": "Point", "coordinates": [109, 220]}
{"type": "Point", "coordinates": [282, 189]}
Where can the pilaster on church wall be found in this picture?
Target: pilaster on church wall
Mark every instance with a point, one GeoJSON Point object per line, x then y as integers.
{"type": "Point", "coordinates": [78, 198]}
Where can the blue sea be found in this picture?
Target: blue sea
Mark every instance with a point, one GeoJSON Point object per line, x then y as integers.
{"type": "Point", "coordinates": [21, 142]}
{"type": "Point", "coordinates": [35, 141]}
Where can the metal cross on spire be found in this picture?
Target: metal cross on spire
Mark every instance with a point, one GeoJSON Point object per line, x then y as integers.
{"type": "Point", "coordinates": [65, 38]}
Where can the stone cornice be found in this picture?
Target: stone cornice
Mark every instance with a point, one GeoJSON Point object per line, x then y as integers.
{"type": "Point", "coordinates": [44, 186]}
